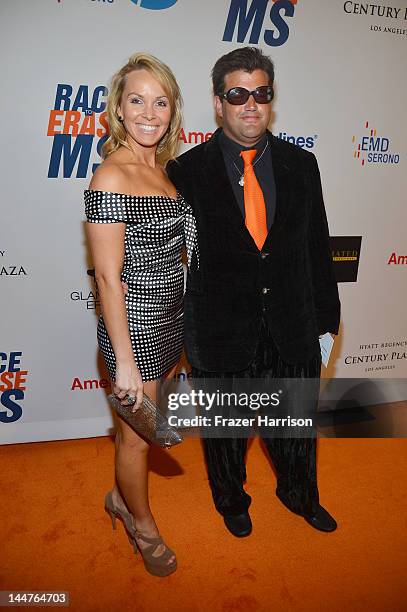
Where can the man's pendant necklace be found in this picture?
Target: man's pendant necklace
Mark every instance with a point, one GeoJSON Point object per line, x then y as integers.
{"type": "Point", "coordinates": [241, 176]}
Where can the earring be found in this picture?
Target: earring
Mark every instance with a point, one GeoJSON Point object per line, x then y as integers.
{"type": "Point", "coordinates": [120, 118]}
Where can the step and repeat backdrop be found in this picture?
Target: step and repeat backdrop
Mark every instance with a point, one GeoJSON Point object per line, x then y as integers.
{"type": "Point", "coordinates": [340, 93]}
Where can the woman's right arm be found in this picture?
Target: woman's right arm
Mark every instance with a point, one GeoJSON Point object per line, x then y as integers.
{"type": "Point", "coordinates": [107, 245]}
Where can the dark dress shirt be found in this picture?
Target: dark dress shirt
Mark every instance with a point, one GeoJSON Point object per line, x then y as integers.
{"type": "Point", "coordinates": [263, 169]}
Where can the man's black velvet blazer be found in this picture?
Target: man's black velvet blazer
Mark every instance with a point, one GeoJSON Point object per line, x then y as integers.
{"type": "Point", "coordinates": [290, 281]}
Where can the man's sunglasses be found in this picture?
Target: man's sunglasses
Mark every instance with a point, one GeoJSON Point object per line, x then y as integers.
{"type": "Point", "coordinates": [240, 95]}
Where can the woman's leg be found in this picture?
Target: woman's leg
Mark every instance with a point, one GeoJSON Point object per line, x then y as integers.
{"type": "Point", "coordinates": [131, 461]}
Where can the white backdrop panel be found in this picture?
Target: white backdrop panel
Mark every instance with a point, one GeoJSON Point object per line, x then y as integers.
{"type": "Point", "coordinates": [334, 73]}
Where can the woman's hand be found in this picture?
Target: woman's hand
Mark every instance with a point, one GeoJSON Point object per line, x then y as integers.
{"type": "Point", "coordinates": [129, 383]}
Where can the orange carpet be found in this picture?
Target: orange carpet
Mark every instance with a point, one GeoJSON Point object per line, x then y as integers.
{"type": "Point", "coordinates": [55, 534]}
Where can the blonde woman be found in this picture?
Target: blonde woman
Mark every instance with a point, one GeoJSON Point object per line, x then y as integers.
{"type": "Point", "coordinates": [137, 226]}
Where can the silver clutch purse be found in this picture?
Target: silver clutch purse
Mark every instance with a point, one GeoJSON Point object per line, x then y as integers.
{"type": "Point", "coordinates": [148, 421]}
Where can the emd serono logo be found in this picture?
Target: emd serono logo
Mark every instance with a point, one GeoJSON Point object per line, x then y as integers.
{"type": "Point", "coordinates": [373, 149]}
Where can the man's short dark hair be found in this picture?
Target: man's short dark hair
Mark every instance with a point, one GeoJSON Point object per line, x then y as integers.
{"type": "Point", "coordinates": [248, 59]}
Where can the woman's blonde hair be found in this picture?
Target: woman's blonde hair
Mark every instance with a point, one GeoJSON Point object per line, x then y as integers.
{"type": "Point", "coordinates": [168, 145]}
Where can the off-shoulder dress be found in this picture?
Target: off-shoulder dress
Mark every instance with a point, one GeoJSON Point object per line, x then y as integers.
{"type": "Point", "coordinates": [157, 228]}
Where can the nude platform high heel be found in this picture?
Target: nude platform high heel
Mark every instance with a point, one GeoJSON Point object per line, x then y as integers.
{"type": "Point", "coordinates": [125, 516]}
{"type": "Point", "coordinates": [158, 566]}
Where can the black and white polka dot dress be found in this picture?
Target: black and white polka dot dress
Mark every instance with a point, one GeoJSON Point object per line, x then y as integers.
{"type": "Point", "coordinates": [157, 227]}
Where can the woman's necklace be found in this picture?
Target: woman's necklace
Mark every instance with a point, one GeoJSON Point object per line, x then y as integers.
{"type": "Point", "coordinates": [241, 176]}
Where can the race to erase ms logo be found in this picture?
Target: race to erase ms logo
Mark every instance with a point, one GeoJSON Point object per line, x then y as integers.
{"type": "Point", "coordinates": [246, 18]}
{"type": "Point", "coordinates": [372, 148]}
{"type": "Point", "coordinates": [12, 386]}
{"type": "Point", "coordinates": [78, 126]}
{"type": "Point", "coordinates": [155, 5]}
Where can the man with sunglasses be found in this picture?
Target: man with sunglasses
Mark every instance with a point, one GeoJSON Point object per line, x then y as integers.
{"type": "Point", "coordinates": [265, 288]}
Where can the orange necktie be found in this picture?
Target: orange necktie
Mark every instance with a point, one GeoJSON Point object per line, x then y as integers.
{"type": "Point", "coordinates": [254, 206]}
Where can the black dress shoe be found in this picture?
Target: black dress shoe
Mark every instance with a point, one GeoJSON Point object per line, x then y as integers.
{"type": "Point", "coordinates": [240, 525]}
{"type": "Point", "coordinates": [320, 519]}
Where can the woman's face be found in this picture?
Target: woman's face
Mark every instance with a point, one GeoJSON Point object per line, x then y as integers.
{"type": "Point", "coordinates": [145, 108]}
